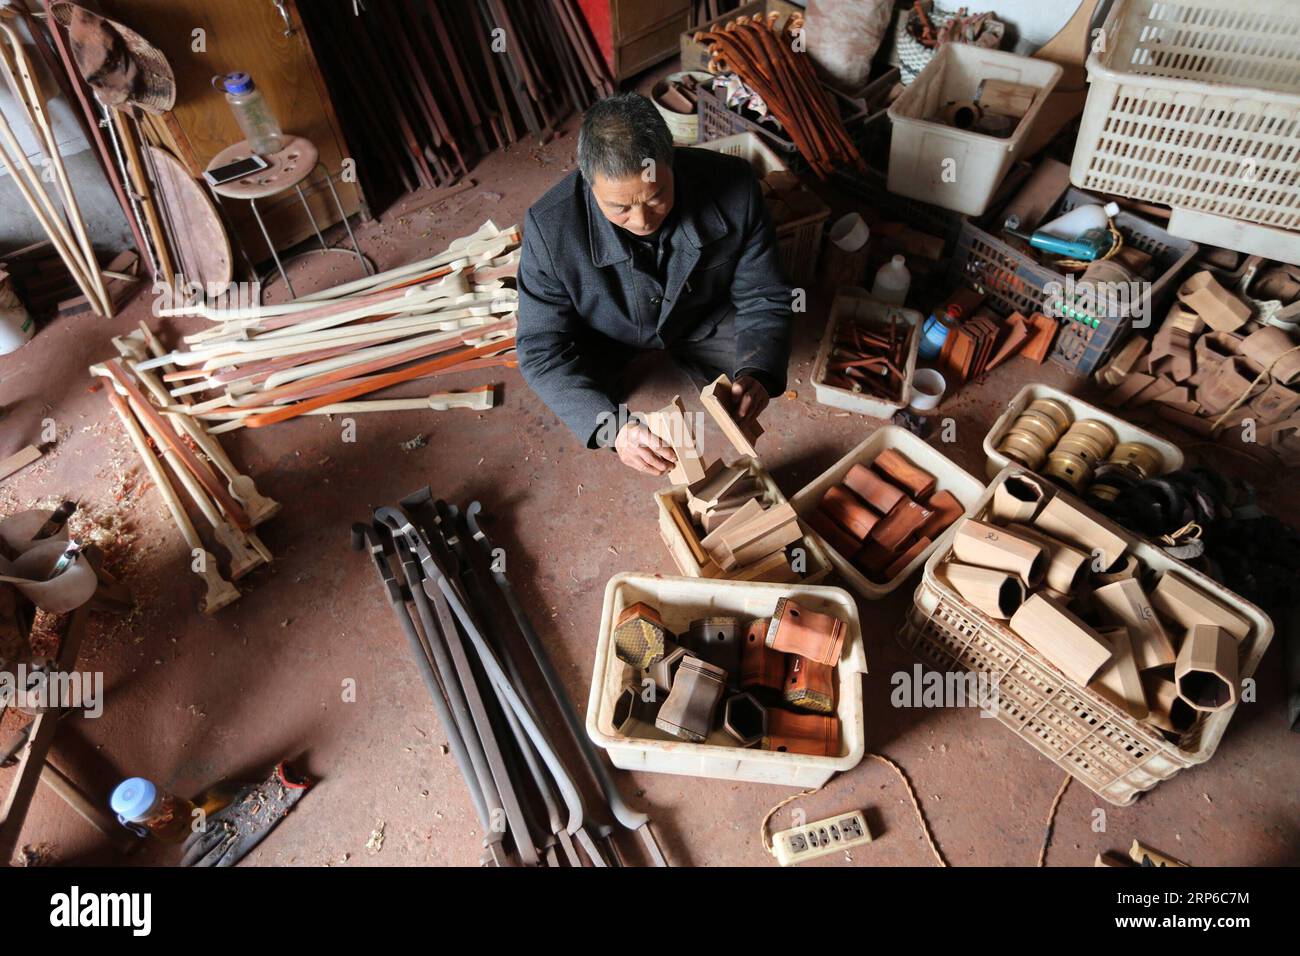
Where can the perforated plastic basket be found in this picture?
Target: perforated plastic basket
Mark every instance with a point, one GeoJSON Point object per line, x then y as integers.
{"type": "Point", "coordinates": [1090, 738]}
{"type": "Point", "coordinates": [1196, 104]}
{"type": "Point", "coordinates": [1014, 281]}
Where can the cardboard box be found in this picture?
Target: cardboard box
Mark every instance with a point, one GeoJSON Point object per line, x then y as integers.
{"type": "Point", "coordinates": [1070, 644]}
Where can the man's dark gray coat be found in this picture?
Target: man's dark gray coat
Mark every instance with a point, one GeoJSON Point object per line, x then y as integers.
{"type": "Point", "coordinates": [577, 289]}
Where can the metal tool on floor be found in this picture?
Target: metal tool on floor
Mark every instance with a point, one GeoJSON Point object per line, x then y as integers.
{"type": "Point", "coordinates": [629, 818]}
{"type": "Point", "coordinates": [528, 800]}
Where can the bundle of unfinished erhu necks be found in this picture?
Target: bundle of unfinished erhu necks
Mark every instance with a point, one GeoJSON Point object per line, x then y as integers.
{"type": "Point", "coordinates": [450, 312]}
{"type": "Point", "coordinates": [770, 61]}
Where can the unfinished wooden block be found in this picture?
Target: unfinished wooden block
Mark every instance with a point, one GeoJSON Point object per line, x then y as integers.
{"type": "Point", "coordinates": [1065, 565]}
{"type": "Point", "coordinates": [895, 466]}
{"type": "Point", "coordinates": [717, 401]}
{"type": "Point", "coordinates": [945, 509]}
{"type": "Point", "coordinates": [903, 560]}
{"type": "Point", "coordinates": [775, 528]}
{"type": "Point", "coordinates": [1056, 633]}
{"type": "Point", "coordinates": [1189, 606]}
{"type": "Point", "coordinates": [773, 569]}
{"type": "Point", "coordinates": [795, 629]}
{"type": "Point", "coordinates": [834, 536]}
{"type": "Point", "coordinates": [897, 527]}
{"type": "Point", "coordinates": [1167, 711]}
{"type": "Point", "coordinates": [1206, 670]}
{"type": "Point", "coordinates": [1018, 498]}
{"type": "Point", "coordinates": [1063, 520]}
{"type": "Point", "coordinates": [19, 460]}
{"type": "Point", "coordinates": [670, 425]}
{"type": "Point", "coordinates": [989, 546]}
{"type": "Point", "coordinates": [760, 666]}
{"type": "Point", "coordinates": [848, 511]}
{"type": "Point", "coordinates": [1124, 603]}
{"type": "Point", "coordinates": [746, 512]}
{"type": "Point", "coordinates": [998, 594]}
{"type": "Point", "coordinates": [1119, 681]}
{"type": "Point", "coordinates": [874, 490]}
{"type": "Point", "coordinates": [1221, 310]}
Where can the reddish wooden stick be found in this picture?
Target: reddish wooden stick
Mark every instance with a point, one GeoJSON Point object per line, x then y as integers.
{"type": "Point", "coordinates": [193, 465]}
{"type": "Point", "coordinates": [374, 383]}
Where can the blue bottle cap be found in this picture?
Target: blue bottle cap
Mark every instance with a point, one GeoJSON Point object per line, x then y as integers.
{"type": "Point", "coordinates": [133, 799]}
{"type": "Point", "coordinates": [237, 82]}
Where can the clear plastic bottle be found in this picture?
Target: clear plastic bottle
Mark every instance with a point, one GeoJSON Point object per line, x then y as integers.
{"type": "Point", "coordinates": [254, 116]}
{"type": "Point", "coordinates": [142, 807]}
{"type": "Point", "coordinates": [892, 282]}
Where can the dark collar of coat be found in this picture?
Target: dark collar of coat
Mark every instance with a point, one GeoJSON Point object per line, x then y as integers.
{"type": "Point", "coordinates": [698, 219]}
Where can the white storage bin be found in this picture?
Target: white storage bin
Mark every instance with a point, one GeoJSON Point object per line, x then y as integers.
{"type": "Point", "coordinates": [949, 167]}
{"type": "Point", "coordinates": [817, 563]}
{"type": "Point", "coordinates": [1248, 237]}
{"type": "Point", "coordinates": [857, 303]}
{"type": "Point", "coordinates": [680, 601]}
{"type": "Point", "coordinates": [1196, 104]}
{"type": "Point", "coordinates": [1124, 431]}
{"type": "Point", "coordinates": [951, 478]}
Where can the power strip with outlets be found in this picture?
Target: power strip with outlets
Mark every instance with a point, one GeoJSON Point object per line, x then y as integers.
{"type": "Point", "coordinates": [813, 840]}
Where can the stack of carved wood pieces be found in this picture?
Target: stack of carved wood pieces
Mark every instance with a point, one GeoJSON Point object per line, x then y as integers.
{"type": "Point", "coordinates": [767, 682]}
{"type": "Point", "coordinates": [449, 81]}
{"type": "Point", "coordinates": [764, 56]}
{"type": "Point", "coordinates": [788, 199]}
{"type": "Point", "coordinates": [869, 359]}
{"type": "Point", "coordinates": [1160, 649]}
{"type": "Point", "coordinates": [1216, 369]}
{"type": "Point", "coordinates": [226, 499]}
{"type": "Point", "coordinates": [883, 514]}
{"type": "Point", "coordinates": [450, 312]}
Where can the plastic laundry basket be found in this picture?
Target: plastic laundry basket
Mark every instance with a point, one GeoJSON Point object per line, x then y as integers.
{"type": "Point", "coordinates": [1196, 104]}
{"type": "Point", "coordinates": [955, 168]}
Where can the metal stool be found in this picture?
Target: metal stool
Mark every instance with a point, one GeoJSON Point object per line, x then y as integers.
{"type": "Point", "coordinates": [289, 168]}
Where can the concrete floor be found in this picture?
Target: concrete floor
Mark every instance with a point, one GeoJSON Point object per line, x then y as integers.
{"type": "Point", "coordinates": [194, 700]}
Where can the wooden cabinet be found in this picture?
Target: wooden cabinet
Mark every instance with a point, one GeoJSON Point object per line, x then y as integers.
{"type": "Point", "coordinates": [202, 39]}
{"type": "Point", "coordinates": [636, 34]}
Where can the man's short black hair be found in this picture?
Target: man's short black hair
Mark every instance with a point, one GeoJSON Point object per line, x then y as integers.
{"type": "Point", "coordinates": [619, 133]}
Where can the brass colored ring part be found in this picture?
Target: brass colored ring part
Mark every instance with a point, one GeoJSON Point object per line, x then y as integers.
{"type": "Point", "coordinates": [1101, 433]}
{"type": "Point", "coordinates": [1074, 470]}
{"type": "Point", "coordinates": [1024, 448]}
{"type": "Point", "coordinates": [1037, 425]}
{"type": "Point", "coordinates": [1138, 457]}
{"type": "Point", "coordinates": [1056, 411]}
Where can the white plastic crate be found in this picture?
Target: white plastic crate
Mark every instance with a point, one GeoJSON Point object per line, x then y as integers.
{"type": "Point", "coordinates": [955, 168]}
{"type": "Point", "coordinates": [1248, 237]}
{"type": "Point", "coordinates": [995, 461]}
{"type": "Point", "coordinates": [1196, 104]}
{"type": "Point", "coordinates": [1111, 753]}
{"type": "Point", "coordinates": [855, 302]}
{"type": "Point", "coordinates": [680, 601]}
{"type": "Point", "coordinates": [950, 477]}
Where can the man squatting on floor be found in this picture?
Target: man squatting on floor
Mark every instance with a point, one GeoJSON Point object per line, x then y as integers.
{"type": "Point", "coordinates": [646, 247]}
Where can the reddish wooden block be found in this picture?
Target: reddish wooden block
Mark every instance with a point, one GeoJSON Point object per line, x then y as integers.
{"type": "Point", "coordinates": [849, 512]}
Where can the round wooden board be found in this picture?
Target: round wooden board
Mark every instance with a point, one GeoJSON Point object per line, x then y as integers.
{"type": "Point", "coordinates": [188, 212]}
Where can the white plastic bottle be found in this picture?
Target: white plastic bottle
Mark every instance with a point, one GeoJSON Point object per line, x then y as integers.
{"type": "Point", "coordinates": [1080, 219]}
{"type": "Point", "coordinates": [252, 113]}
{"type": "Point", "coordinates": [892, 282]}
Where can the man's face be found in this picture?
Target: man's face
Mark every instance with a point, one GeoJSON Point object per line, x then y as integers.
{"type": "Point", "coordinates": [636, 203]}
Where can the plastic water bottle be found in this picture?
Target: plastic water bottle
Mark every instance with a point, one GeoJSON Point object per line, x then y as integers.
{"type": "Point", "coordinates": [254, 116]}
{"type": "Point", "coordinates": [892, 282]}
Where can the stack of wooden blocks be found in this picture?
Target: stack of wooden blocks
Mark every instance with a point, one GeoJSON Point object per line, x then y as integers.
{"type": "Point", "coordinates": [1212, 368]}
{"type": "Point", "coordinates": [868, 359]}
{"type": "Point", "coordinates": [984, 342]}
{"type": "Point", "coordinates": [883, 515]}
{"type": "Point", "coordinates": [732, 523]}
